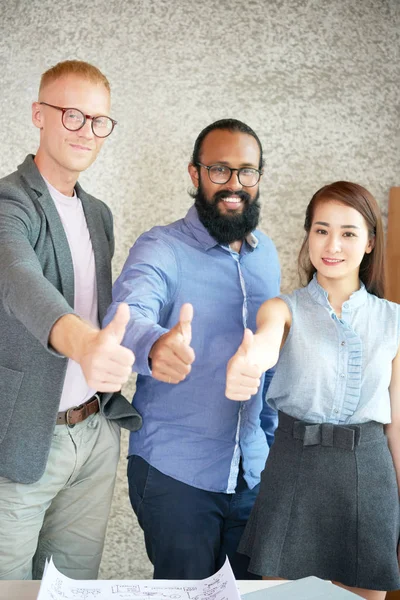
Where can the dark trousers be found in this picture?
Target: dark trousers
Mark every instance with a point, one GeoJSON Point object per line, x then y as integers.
{"type": "Point", "coordinates": [189, 532]}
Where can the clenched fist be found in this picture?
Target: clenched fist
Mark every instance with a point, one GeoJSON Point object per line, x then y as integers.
{"type": "Point", "coordinates": [243, 374]}
{"type": "Point", "coordinates": [171, 355]}
{"type": "Point", "coordinates": [105, 363]}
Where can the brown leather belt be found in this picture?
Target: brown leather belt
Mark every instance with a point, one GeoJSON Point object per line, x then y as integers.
{"type": "Point", "coordinates": [77, 414]}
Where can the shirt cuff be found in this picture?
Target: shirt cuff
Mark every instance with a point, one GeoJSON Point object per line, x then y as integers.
{"type": "Point", "coordinates": [142, 364]}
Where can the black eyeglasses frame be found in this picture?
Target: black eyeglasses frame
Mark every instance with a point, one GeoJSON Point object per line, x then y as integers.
{"type": "Point", "coordinates": [199, 164]}
{"type": "Point", "coordinates": [85, 118]}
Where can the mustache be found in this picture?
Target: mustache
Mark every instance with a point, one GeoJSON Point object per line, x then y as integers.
{"type": "Point", "coordinates": [219, 196]}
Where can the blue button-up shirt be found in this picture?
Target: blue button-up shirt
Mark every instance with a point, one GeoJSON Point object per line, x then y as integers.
{"type": "Point", "coordinates": [191, 431]}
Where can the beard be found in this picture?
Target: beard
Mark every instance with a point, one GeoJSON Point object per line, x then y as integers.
{"type": "Point", "coordinates": [227, 228]}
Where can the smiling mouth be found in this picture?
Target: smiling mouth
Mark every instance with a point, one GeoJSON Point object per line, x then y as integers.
{"type": "Point", "coordinates": [80, 147]}
{"type": "Point", "coordinates": [332, 261]}
{"type": "Point", "coordinates": [232, 201]}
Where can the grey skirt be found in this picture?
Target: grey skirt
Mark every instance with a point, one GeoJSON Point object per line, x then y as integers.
{"type": "Point", "coordinates": [328, 506]}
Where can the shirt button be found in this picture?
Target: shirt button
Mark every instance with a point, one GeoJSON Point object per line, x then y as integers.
{"type": "Point", "coordinates": [343, 343]}
{"type": "Point", "coordinates": [346, 305]}
{"type": "Point", "coordinates": [336, 411]}
{"type": "Point", "coordinates": [342, 375]}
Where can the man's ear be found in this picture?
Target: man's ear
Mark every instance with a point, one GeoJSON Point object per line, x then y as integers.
{"type": "Point", "coordinates": [37, 114]}
{"type": "Point", "coordinates": [194, 174]}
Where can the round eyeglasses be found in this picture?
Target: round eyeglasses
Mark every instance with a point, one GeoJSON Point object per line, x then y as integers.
{"type": "Point", "coordinates": [248, 177]}
{"type": "Point", "coordinates": [74, 119]}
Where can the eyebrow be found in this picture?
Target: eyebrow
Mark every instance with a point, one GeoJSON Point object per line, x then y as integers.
{"type": "Point", "coordinates": [342, 226]}
{"type": "Point", "coordinates": [227, 163]}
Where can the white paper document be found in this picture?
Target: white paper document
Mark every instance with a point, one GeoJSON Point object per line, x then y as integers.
{"type": "Point", "coordinates": [221, 586]}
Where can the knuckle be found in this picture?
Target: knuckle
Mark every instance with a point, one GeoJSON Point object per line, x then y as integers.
{"type": "Point", "coordinates": [155, 365]}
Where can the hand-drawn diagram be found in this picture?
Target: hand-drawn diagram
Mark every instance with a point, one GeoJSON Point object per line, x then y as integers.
{"type": "Point", "coordinates": [56, 592]}
{"type": "Point", "coordinates": [221, 586]}
{"type": "Point", "coordinates": [133, 591]}
{"type": "Point", "coordinates": [211, 590]}
{"type": "Point", "coordinates": [85, 594]}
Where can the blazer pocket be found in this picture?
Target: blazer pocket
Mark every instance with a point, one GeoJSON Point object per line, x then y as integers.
{"type": "Point", "coordinates": [10, 382]}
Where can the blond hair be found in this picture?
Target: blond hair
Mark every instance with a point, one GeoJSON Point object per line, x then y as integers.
{"type": "Point", "coordinates": [73, 67]}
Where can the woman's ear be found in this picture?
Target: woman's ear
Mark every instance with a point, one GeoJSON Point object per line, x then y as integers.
{"type": "Point", "coordinates": [370, 245]}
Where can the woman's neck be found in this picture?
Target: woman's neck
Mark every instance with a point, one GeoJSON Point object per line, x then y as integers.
{"type": "Point", "coordinates": [339, 290]}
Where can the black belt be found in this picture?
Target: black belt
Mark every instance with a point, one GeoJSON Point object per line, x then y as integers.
{"type": "Point", "coordinates": [327, 434]}
{"type": "Point", "coordinates": [77, 414]}
{"type": "Point", "coordinates": [346, 436]}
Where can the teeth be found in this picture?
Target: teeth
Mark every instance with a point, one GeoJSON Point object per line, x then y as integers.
{"type": "Point", "coordinates": [333, 260]}
{"type": "Point", "coordinates": [235, 200]}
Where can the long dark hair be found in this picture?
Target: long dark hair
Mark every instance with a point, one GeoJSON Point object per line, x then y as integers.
{"type": "Point", "coordinates": [372, 268]}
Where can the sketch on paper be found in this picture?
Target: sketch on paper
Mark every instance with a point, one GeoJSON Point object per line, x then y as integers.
{"type": "Point", "coordinates": [221, 586]}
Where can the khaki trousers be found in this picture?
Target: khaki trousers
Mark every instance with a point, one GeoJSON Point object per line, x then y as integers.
{"type": "Point", "coordinates": [65, 513]}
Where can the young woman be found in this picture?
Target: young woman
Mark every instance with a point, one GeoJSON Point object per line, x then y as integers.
{"type": "Point", "coordinates": [329, 502]}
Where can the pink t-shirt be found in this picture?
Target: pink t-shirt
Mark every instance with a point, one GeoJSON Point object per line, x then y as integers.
{"type": "Point", "coordinates": [76, 390]}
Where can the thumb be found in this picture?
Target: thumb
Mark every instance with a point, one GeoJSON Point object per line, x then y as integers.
{"type": "Point", "coordinates": [117, 326]}
{"type": "Point", "coordinates": [185, 322]}
{"type": "Point", "coordinates": [247, 342]}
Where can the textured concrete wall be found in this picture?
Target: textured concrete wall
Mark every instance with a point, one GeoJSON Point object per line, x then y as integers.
{"type": "Point", "coordinates": [318, 80]}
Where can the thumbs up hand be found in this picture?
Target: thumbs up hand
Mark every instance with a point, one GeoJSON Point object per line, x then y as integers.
{"type": "Point", "coordinates": [185, 322]}
{"type": "Point", "coordinates": [171, 355]}
{"type": "Point", "coordinates": [244, 370]}
{"type": "Point", "coordinates": [106, 364]}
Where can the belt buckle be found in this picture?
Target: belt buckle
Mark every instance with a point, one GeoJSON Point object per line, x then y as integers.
{"type": "Point", "coordinates": [95, 396]}
{"type": "Point", "coordinates": [70, 425]}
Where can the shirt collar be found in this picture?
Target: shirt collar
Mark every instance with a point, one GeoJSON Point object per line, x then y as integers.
{"type": "Point", "coordinates": [320, 295]}
{"type": "Point", "coordinates": [252, 240]}
{"type": "Point", "coordinates": [203, 236]}
{"type": "Point", "coordinates": [59, 197]}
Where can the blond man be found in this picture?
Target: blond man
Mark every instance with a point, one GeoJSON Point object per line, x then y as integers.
{"type": "Point", "coordinates": [59, 373]}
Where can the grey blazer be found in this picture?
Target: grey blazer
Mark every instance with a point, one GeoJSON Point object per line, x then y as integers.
{"type": "Point", "coordinates": [36, 289]}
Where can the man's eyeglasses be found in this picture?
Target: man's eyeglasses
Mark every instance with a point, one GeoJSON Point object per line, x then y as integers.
{"type": "Point", "coordinates": [74, 119]}
{"type": "Point", "coordinates": [247, 176]}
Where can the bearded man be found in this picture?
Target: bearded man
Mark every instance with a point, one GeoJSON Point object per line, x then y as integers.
{"type": "Point", "coordinates": [193, 287]}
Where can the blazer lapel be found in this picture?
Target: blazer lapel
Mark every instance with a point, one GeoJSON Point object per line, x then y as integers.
{"type": "Point", "coordinates": [30, 173]}
{"type": "Point", "coordinates": [100, 249]}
